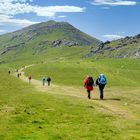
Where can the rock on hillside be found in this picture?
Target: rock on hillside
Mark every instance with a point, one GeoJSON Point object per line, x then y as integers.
{"type": "Point", "coordinates": [128, 47]}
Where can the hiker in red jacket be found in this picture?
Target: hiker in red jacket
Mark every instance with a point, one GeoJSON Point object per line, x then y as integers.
{"type": "Point", "coordinates": [88, 84]}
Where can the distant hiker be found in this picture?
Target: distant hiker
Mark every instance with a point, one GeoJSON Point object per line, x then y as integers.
{"type": "Point", "coordinates": [30, 78]}
{"type": "Point", "coordinates": [9, 72]}
{"type": "Point", "coordinates": [17, 70]}
{"type": "Point", "coordinates": [48, 80]}
{"type": "Point", "coordinates": [18, 75]}
{"type": "Point", "coordinates": [88, 84]}
{"type": "Point", "coordinates": [43, 81]}
{"type": "Point", "coordinates": [101, 82]}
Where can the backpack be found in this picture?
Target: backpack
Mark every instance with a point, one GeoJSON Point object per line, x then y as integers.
{"type": "Point", "coordinates": [49, 79]}
{"type": "Point", "coordinates": [90, 81]}
{"type": "Point", "coordinates": [102, 80]}
{"type": "Point", "coordinates": [30, 78]}
{"type": "Point", "coordinates": [44, 79]}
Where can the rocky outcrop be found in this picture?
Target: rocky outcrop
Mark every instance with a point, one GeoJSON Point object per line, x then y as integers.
{"type": "Point", "coordinates": [11, 48]}
{"type": "Point", "coordinates": [64, 42]}
{"type": "Point", "coordinates": [93, 51]}
{"type": "Point", "coordinates": [122, 48]}
{"type": "Point", "coordinates": [137, 53]}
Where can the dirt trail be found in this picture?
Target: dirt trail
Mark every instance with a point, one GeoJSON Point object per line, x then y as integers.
{"type": "Point", "coordinates": [75, 92]}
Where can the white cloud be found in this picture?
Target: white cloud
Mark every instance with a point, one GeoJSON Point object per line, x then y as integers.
{"type": "Point", "coordinates": [112, 36]}
{"type": "Point", "coordinates": [122, 32]}
{"type": "Point", "coordinates": [10, 8]}
{"type": "Point", "coordinates": [63, 16]}
{"type": "Point", "coordinates": [4, 19]}
{"type": "Point", "coordinates": [50, 11]}
{"type": "Point", "coordinates": [2, 31]}
{"type": "Point", "coordinates": [115, 2]}
{"type": "Point", "coordinates": [7, 7]}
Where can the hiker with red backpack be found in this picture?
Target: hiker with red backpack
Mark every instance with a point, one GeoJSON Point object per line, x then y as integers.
{"type": "Point", "coordinates": [88, 84]}
{"type": "Point", "coordinates": [101, 82]}
{"type": "Point", "coordinates": [30, 78]}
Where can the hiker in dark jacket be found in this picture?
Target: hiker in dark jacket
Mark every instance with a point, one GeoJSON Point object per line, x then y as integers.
{"type": "Point", "coordinates": [101, 82]}
{"type": "Point", "coordinates": [9, 72]}
{"type": "Point", "coordinates": [88, 84]}
{"type": "Point", "coordinates": [48, 80]}
{"type": "Point", "coordinates": [18, 75]}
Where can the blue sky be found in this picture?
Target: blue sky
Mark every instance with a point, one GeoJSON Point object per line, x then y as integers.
{"type": "Point", "coordinates": [103, 19]}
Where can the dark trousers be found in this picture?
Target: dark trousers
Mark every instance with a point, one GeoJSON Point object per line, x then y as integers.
{"type": "Point", "coordinates": [88, 91]}
{"type": "Point", "coordinates": [101, 88]}
{"type": "Point", "coordinates": [49, 83]}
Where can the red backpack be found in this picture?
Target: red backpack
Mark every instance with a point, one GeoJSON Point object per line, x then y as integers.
{"type": "Point", "coordinates": [30, 77]}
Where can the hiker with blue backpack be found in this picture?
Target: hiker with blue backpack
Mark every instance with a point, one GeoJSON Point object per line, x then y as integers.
{"type": "Point", "coordinates": [88, 84]}
{"type": "Point", "coordinates": [101, 82]}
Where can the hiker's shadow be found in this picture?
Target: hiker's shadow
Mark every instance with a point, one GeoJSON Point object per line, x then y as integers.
{"type": "Point", "coordinates": [115, 99]}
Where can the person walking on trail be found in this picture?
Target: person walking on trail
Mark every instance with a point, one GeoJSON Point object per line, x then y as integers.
{"type": "Point", "coordinates": [30, 78]}
{"type": "Point", "coordinates": [101, 82]}
{"type": "Point", "coordinates": [43, 81]}
{"type": "Point", "coordinates": [18, 75]}
{"type": "Point", "coordinates": [48, 80]}
{"type": "Point", "coordinates": [88, 84]}
{"type": "Point", "coordinates": [9, 72]}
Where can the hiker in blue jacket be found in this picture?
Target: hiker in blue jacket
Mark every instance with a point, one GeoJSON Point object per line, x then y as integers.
{"type": "Point", "coordinates": [43, 81]}
{"type": "Point", "coordinates": [101, 82]}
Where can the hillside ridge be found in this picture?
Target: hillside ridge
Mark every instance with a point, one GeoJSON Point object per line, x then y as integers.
{"type": "Point", "coordinates": [128, 47]}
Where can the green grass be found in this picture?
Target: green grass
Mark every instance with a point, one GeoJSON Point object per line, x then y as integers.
{"type": "Point", "coordinates": [122, 73]}
{"type": "Point", "coordinates": [28, 115]}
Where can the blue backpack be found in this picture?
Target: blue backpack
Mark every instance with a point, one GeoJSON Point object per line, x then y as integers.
{"type": "Point", "coordinates": [102, 80]}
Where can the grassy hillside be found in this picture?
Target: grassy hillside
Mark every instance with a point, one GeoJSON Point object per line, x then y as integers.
{"type": "Point", "coordinates": [60, 40]}
{"type": "Point", "coordinates": [122, 73]}
{"type": "Point", "coordinates": [62, 111]}
{"type": "Point", "coordinates": [29, 115]}
{"type": "Point", "coordinates": [45, 39]}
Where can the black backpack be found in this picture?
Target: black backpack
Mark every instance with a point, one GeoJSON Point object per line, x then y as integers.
{"type": "Point", "coordinates": [48, 79]}
{"type": "Point", "coordinates": [90, 81]}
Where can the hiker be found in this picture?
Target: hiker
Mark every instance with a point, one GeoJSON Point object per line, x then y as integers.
{"type": "Point", "coordinates": [18, 75]}
{"type": "Point", "coordinates": [9, 72]}
{"type": "Point", "coordinates": [43, 81]}
{"type": "Point", "coordinates": [88, 84]}
{"type": "Point", "coordinates": [48, 80]}
{"type": "Point", "coordinates": [29, 79]}
{"type": "Point", "coordinates": [101, 82]}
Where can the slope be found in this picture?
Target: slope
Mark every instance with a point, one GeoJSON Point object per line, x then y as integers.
{"type": "Point", "coordinates": [128, 47]}
{"type": "Point", "coordinates": [40, 40]}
